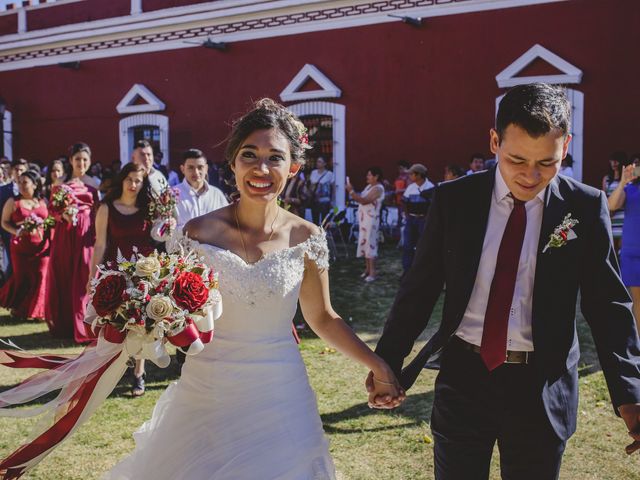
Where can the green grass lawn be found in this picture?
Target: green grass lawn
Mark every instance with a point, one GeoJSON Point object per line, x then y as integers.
{"type": "Point", "coordinates": [365, 443]}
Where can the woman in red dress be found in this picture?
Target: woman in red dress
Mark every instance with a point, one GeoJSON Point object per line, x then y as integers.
{"type": "Point", "coordinates": [122, 228]}
{"type": "Point", "coordinates": [24, 292]}
{"type": "Point", "coordinates": [71, 250]}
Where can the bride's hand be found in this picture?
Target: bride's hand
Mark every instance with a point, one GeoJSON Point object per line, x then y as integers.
{"type": "Point", "coordinates": [385, 392]}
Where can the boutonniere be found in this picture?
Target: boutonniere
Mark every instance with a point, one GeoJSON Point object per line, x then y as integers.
{"type": "Point", "coordinates": [562, 233]}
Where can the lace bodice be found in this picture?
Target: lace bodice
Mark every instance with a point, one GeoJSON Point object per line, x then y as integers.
{"type": "Point", "coordinates": [263, 294]}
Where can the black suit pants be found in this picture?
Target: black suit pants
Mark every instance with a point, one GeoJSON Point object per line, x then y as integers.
{"type": "Point", "coordinates": [474, 408]}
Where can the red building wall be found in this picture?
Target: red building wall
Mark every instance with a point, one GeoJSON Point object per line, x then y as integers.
{"type": "Point", "coordinates": [423, 95]}
{"type": "Point", "coordinates": [85, 11]}
{"type": "Point", "coordinates": [8, 23]}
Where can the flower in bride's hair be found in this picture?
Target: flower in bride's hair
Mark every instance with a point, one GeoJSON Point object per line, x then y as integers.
{"type": "Point", "coordinates": [159, 308]}
{"type": "Point", "coordinates": [147, 266]}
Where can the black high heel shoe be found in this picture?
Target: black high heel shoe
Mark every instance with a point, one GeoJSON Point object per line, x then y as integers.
{"type": "Point", "coordinates": [137, 385]}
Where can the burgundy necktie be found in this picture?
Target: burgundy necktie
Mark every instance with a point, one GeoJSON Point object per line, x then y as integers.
{"type": "Point", "coordinates": [493, 349]}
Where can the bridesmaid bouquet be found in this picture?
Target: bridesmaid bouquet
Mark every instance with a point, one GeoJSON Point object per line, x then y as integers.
{"type": "Point", "coordinates": [63, 201]}
{"type": "Point", "coordinates": [162, 211]}
{"type": "Point", "coordinates": [139, 303]}
{"type": "Point", "coordinates": [155, 297]}
{"type": "Point", "coordinates": [33, 224]}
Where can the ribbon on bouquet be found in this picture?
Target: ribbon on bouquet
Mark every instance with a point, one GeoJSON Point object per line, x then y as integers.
{"type": "Point", "coordinates": [85, 381]}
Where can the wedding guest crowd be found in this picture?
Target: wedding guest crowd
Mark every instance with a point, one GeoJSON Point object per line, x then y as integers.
{"type": "Point", "coordinates": [56, 231]}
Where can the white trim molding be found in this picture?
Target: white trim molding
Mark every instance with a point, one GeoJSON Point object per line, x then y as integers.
{"type": "Point", "coordinates": [7, 135]}
{"type": "Point", "coordinates": [125, 129]}
{"type": "Point", "coordinates": [328, 89]}
{"type": "Point", "coordinates": [338, 113]}
{"type": "Point", "coordinates": [222, 21]}
{"type": "Point", "coordinates": [128, 105]}
{"type": "Point", "coordinates": [508, 78]}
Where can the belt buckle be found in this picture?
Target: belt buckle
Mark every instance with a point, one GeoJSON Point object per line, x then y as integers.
{"type": "Point", "coordinates": [520, 361]}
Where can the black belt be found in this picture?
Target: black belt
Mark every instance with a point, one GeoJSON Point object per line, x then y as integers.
{"type": "Point", "coordinates": [513, 356]}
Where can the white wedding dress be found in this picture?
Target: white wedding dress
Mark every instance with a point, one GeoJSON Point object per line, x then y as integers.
{"type": "Point", "coordinates": [243, 408]}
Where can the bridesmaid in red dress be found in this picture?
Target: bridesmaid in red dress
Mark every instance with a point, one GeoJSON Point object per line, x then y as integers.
{"type": "Point", "coordinates": [71, 250]}
{"type": "Point", "coordinates": [120, 226]}
{"type": "Point", "coordinates": [24, 292]}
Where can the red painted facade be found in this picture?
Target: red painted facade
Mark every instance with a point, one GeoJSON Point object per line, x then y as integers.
{"type": "Point", "coordinates": [77, 12]}
{"type": "Point", "coordinates": [423, 95]}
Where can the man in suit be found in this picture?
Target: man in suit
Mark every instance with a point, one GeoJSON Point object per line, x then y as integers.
{"type": "Point", "coordinates": [10, 190]}
{"type": "Point", "coordinates": [514, 246]}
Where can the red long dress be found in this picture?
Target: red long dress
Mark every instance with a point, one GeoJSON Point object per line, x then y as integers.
{"type": "Point", "coordinates": [71, 250]}
{"type": "Point", "coordinates": [125, 232]}
{"type": "Point", "coordinates": [24, 292]}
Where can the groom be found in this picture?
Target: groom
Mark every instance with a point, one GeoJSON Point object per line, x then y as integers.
{"type": "Point", "coordinates": [514, 245]}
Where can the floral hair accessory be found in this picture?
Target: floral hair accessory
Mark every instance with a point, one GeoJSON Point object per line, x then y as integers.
{"type": "Point", "coordinates": [303, 135]}
{"type": "Point", "coordinates": [562, 233]}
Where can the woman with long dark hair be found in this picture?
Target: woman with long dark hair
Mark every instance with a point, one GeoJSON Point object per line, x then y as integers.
{"type": "Point", "coordinates": [121, 229]}
{"type": "Point", "coordinates": [24, 292]}
{"type": "Point", "coordinates": [57, 174]}
{"type": "Point", "coordinates": [71, 250]}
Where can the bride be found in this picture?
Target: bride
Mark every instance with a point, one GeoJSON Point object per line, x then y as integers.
{"type": "Point", "coordinates": [243, 408]}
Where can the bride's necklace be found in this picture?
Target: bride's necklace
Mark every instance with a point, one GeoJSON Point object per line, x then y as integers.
{"type": "Point", "coordinates": [244, 247]}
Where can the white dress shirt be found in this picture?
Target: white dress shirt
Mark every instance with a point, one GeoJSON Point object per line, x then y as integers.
{"type": "Point", "coordinates": [519, 334]}
{"type": "Point", "coordinates": [192, 204]}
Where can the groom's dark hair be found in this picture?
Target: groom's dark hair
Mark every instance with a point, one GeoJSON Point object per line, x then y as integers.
{"type": "Point", "coordinates": [537, 108]}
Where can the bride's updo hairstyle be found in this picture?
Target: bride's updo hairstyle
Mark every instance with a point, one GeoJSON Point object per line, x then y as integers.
{"type": "Point", "coordinates": [265, 115]}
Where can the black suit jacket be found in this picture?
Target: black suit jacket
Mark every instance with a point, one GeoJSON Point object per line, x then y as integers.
{"type": "Point", "coordinates": [449, 252]}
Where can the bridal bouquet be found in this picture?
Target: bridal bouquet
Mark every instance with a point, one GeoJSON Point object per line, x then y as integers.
{"type": "Point", "coordinates": [162, 211]}
{"type": "Point", "coordinates": [162, 295]}
{"type": "Point", "coordinates": [34, 224]}
{"type": "Point", "coordinates": [138, 303]}
{"type": "Point", "coordinates": [64, 201]}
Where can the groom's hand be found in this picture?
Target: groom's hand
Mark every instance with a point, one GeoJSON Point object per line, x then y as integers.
{"type": "Point", "coordinates": [384, 395]}
{"type": "Point", "coordinates": [630, 413]}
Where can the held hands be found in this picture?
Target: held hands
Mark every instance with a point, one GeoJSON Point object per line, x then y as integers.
{"type": "Point", "coordinates": [630, 413]}
{"type": "Point", "coordinates": [384, 390]}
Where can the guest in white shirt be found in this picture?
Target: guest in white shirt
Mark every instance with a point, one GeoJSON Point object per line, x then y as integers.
{"type": "Point", "coordinates": [196, 196]}
{"type": "Point", "coordinates": [415, 209]}
{"type": "Point", "coordinates": [143, 155]}
{"type": "Point", "coordinates": [476, 164]}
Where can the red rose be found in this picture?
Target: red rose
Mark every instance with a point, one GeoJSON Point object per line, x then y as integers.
{"type": "Point", "coordinates": [108, 295]}
{"type": "Point", "coordinates": [189, 291]}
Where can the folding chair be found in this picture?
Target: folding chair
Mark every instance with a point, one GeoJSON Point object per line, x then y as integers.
{"type": "Point", "coordinates": [332, 225]}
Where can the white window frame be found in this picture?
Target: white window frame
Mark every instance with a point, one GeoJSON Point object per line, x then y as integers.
{"type": "Point", "coordinates": [328, 89]}
{"type": "Point", "coordinates": [127, 125]}
{"type": "Point", "coordinates": [338, 114]}
{"type": "Point", "coordinates": [7, 134]}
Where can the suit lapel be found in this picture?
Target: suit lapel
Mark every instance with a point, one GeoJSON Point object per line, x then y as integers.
{"type": "Point", "coordinates": [554, 212]}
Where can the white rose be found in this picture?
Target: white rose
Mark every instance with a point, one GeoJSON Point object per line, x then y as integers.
{"type": "Point", "coordinates": [147, 266]}
{"type": "Point", "coordinates": [159, 307]}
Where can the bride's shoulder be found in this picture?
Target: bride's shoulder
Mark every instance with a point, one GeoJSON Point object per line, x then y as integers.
{"type": "Point", "coordinates": [311, 239]}
{"type": "Point", "coordinates": [206, 228]}
{"type": "Point", "coordinates": [303, 230]}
